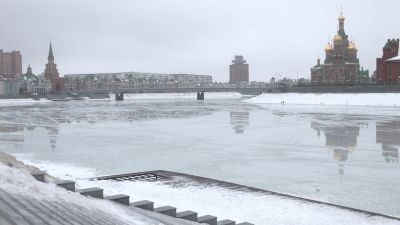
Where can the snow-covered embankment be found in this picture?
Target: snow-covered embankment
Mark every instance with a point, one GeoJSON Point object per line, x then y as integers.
{"type": "Point", "coordinates": [362, 99]}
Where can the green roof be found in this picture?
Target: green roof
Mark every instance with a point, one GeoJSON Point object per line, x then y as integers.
{"type": "Point", "coordinates": [341, 32]}
{"type": "Point", "coordinates": [30, 76]}
{"type": "Point", "coordinates": [363, 72]}
{"type": "Point", "coordinates": [393, 41]}
{"type": "Point", "coordinates": [387, 46]}
{"type": "Point", "coordinates": [319, 71]}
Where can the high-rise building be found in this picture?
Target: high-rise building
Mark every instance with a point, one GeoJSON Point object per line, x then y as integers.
{"type": "Point", "coordinates": [10, 62]}
{"type": "Point", "coordinates": [341, 65]}
{"type": "Point", "coordinates": [51, 72]}
{"type": "Point", "coordinates": [239, 70]}
{"type": "Point", "coordinates": [384, 65]}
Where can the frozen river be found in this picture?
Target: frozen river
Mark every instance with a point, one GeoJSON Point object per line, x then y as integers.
{"type": "Point", "coordinates": [347, 155]}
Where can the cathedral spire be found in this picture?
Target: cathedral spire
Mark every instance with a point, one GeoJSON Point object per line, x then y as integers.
{"type": "Point", "coordinates": [51, 68]}
{"type": "Point", "coordinates": [51, 51]}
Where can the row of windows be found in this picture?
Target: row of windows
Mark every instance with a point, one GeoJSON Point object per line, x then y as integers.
{"type": "Point", "coordinates": [394, 66]}
{"type": "Point", "coordinates": [390, 74]}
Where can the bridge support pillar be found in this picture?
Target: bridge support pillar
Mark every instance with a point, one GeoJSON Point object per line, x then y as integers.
{"type": "Point", "coordinates": [119, 96]}
{"type": "Point", "coordinates": [200, 96]}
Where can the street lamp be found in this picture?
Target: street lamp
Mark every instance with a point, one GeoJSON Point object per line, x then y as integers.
{"type": "Point", "coordinates": [278, 74]}
{"type": "Point", "coordinates": [297, 77]}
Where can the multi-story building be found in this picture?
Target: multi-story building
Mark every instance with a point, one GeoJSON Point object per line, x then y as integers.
{"type": "Point", "coordinates": [51, 72]}
{"type": "Point", "coordinates": [392, 71]}
{"type": "Point", "coordinates": [238, 71]}
{"type": "Point", "coordinates": [9, 84]}
{"type": "Point", "coordinates": [31, 84]}
{"type": "Point", "coordinates": [10, 62]}
{"type": "Point", "coordinates": [385, 66]}
{"type": "Point", "coordinates": [108, 81]}
{"type": "Point", "coordinates": [1, 86]}
{"type": "Point", "coordinates": [341, 65]}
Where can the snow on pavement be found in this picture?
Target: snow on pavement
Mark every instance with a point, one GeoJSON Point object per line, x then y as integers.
{"type": "Point", "coordinates": [238, 205]}
{"type": "Point", "coordinates": [15, 179]}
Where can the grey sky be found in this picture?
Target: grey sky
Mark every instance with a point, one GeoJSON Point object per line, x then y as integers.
{"type": "Point", "coordinates": [199, 37]}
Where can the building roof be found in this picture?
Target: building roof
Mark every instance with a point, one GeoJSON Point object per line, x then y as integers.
{"type": "Point", "coordinates": [387, 46]}
{"type": "Point", "coordinates": [7, 76]}
{"type": "Point", "coordinates": [393, 59]}
{"type": "Point", "coordinates": [363, 72]}
{"type": "Point", "coordinates": [29, 76]}
{"type": "Point", "coordinates": [317, 66]}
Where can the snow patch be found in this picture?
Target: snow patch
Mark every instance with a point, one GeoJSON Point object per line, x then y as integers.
{"type": "Point", "coordinates": [362, 99]}
{"type": "Point", "coordinates": [238, 205]}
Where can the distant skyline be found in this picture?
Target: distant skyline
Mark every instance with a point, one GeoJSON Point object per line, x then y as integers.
{"type": "Point", "coordinates": [196, 37]}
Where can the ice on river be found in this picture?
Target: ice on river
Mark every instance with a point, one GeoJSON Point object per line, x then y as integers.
{"type": "Point", "coordinates": [346, 155]}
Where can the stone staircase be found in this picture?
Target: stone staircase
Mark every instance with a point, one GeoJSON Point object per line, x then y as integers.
{"type": "Point", "coordinates": [144, 205]}
{"type": "Point", "coordinates": [15, 209]}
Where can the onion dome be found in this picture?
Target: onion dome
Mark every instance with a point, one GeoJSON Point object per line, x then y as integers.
{"type": "Point", "coordinates": [337, 38]}
{"type": "Point", "coordinates": [355, 46]}
{"type": "Point", "coordinates": [351, 47]}
{"type": "Point", "coordinates": [341, 17]}
{"type": "Point", "coordinates": [328, 48]}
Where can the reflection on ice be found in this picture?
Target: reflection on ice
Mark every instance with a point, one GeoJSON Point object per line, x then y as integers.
{"type": "Point", "coordinates": [340, 140]}
{"type": "Point", "coordinates": [239, 120]}
{"type": "Point", "coordinates": [388, 134]}
{"type": "Point", "coordinates": [280, 148]}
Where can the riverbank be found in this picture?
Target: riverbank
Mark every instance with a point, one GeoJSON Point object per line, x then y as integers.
{"type": "Point", "coordinates": [222, 199]}
{"type": "Point", "coordinates": [361, 99]}
{"type": "Point", "coordinates": [24, 200]}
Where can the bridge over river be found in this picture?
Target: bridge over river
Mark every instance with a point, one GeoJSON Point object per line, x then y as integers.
{"type": "Point", "coordinates": [102, 93]}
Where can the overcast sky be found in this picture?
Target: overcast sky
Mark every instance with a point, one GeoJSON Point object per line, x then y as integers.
{"type": "Point", "coordinates": [197, 37]}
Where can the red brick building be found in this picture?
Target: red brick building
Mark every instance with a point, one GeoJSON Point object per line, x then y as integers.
{"type": "Point", "coordinates": [390, 50]}
{"type": "Point", "coordinates": [51, 72]}
{"type": "Point", "coordinates": [10, 62]}
{"type": "Point", "coordinates": [392, 71]}
{"type": "Point", "coordinates": [239, 70]}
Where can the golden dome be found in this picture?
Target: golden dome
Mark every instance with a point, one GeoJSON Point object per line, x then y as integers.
{"type": "Point", "coordinates": [328, 48]}
{"type": "Point", "coordinates": [351, 47]}
{"type": "Point", "coordinates": [337, 157]}
{"type": "Point", "coordinates": [355, 46]}
{"type": "Point", "coordinates": [341, 18]}
{"type": "Point", "coordinates": [337, 38]}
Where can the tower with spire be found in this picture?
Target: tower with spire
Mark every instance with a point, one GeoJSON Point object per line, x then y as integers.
{"type": "Point", "coordinates": [341, 65]}
{"type": "Point", "coordinates": [51, 73]}
{"type": "Point", "coordinates": [51, 68]}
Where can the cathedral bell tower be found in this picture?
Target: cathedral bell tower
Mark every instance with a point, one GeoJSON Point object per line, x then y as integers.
{"type": "Point", "coordinates": [51, 68]}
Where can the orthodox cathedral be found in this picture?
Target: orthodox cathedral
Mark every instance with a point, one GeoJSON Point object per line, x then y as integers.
{"type": "Point", "coordinates": [341, 65]}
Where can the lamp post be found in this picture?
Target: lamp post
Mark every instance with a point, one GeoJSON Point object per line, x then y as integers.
{"type": "Point", "coordinates": [278, 74]}
{"type": "Point", "coordinates": [297, 77]}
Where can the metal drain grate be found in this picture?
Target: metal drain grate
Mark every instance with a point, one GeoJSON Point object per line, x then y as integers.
{"type": "Point", "coordinates": [132, 177]}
